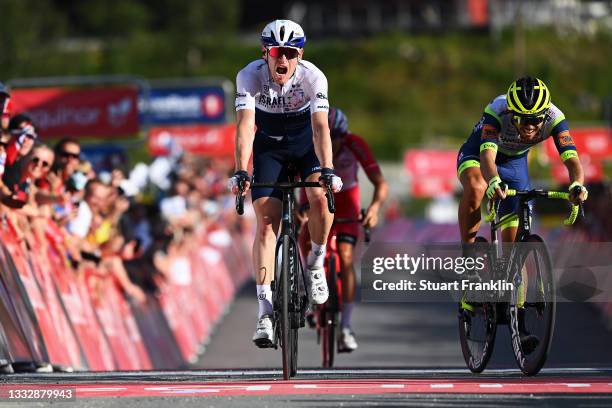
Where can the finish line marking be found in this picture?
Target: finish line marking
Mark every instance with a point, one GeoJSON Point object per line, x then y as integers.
{"type": "Point", "coordinates": [345, 386]}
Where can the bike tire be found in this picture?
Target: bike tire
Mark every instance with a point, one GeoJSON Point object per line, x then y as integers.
{"type": "Point", "coordinates": [477, 350]}
{"type": "Point", "coordinates": [329, 315]}
{"type": "Point", "coordinates": [295, 308]}
{"type": "Point", "coordinates": [530, 361]}
{"type": "Point", "coordinates": [286, 341]}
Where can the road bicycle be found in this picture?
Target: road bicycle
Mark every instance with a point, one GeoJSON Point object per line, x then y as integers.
{"type": "Point", "coordinates": [529, 307]}
{"type": "Point", "coordinates": [289, 298]}
{"type": "Point", "coordinates": [327, 315]}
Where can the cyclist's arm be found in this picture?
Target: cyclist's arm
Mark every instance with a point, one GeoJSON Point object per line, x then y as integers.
{"type": "Point", "coordinates": [321, 139]}
{"type": "Point", "coordinates": [488, 147]}
{"type": "Point", "coordinates": [364, 155]}
{"type": "Point", "coordinates": [319, 107]}
{"type": "Point", "coordinates": [245, 134]}
{"type": "Point", "coordinates": [246, 87]}
{"type": "Point", "coordinates": [567, 151]}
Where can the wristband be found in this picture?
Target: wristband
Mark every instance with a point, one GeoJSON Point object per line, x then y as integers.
{"type": "Point", "coordinates": [326, 171]}
{"type": "Point", "coordinates": [242, 174]}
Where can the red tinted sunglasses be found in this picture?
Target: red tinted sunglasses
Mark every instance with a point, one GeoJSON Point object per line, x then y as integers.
{"type": "Point", "coordinates": [277, 52]}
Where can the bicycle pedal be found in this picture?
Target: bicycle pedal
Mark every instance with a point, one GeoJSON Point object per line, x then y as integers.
{"type": "Point", "coordinates": [264, 343]}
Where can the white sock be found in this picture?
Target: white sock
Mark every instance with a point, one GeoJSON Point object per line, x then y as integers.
{"type": "Point", "coordinates": [316, 257]}
{"type": "Point", "coordinates": [347, 312]}
{"type": "Point", "coordinates": [264, 298]}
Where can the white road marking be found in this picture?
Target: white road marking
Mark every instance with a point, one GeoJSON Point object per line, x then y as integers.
{"type": "Point", "coordinates": [305, 386]}
{"type": "Point", "coordinates": [258, 387]}
{"type": "Point", "coordinates": [491, 385]}
{"type": "Point", "coordinates": [392, 386]}
{"type": "Point", "coordinates": [441, 385]}
{"type": "Point", "coordinates": [89, 389]}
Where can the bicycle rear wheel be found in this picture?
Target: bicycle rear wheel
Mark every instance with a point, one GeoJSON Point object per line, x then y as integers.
{"type": "Point", "coordinates": [328, 315]}
{"type": "Point", "coordinates": [477, 326]}
{"type": "Point", "coordinates": [295, 306]}
{"type": "Point", "coordinates": [533, 307]}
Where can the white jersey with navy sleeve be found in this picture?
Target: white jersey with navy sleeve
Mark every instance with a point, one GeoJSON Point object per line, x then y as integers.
{"type": "Point", "coordinates": [307, 88]}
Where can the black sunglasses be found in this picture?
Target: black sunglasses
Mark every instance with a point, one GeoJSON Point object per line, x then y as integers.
{"type": "Point", "coordinates": [43, 163]}
{"type": "Point", "coordinates": [71, 155]}
{"type": "Point", "coordinates": [525, 120]}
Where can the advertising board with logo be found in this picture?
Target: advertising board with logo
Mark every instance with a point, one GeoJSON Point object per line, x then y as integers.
{"type": "Point", "coordinates": [98, 112]}
{"type": "Point", "coordinates": [184, 105]}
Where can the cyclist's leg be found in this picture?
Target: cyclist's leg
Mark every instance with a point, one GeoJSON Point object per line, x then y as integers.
{"type": "Point", "coordinates": [514, 172]}
{"type": "Point", "coordinates": [474, 187]}
{"type": "Point", "coordinates": [319, 223]}
{"type": "Point", "coordinates": [346, 243]}
{"type": "Point", "coordinates": [268, 166]}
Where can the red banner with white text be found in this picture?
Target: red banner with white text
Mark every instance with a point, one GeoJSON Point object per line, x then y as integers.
{"type": "Point", "coordinates": [98, 112]}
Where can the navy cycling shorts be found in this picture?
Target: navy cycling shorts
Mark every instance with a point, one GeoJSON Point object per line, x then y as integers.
{"type": "Point", "coordinates": [512, 170]}
{"type": "Point", "coordinates": [272, 159]}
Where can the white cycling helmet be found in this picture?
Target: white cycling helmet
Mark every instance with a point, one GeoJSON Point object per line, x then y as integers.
{"type": "Point", "coordinates": [283, 33]}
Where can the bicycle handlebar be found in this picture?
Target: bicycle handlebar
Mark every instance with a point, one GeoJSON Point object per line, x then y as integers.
{"type": "Point", "coordinates": [531, 194]}
{"type": "Point", "coordinates": [286, 185]}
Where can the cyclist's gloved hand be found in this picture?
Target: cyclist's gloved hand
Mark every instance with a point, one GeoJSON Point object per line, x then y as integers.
{"type": "Point", "coordinates": [495, 188]}
{"type": "Point", "coordinates": [239, 178]}
{"type": "Point", "coordinates": [577, 195]}
{"type": "Point", "coordinates": [329, 179]}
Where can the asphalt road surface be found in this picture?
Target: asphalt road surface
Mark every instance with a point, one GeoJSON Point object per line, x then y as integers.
{"type": "Point", "coordinates": [409, 355]}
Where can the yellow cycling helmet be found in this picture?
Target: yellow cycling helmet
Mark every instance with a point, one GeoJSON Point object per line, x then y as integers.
{"type": "Point", "coordinates": [528, 96]}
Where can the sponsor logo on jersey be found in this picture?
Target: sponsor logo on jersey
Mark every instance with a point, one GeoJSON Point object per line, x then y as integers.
{"type": "Point", "coordinates": [321, 95]}
{"type": "Point", "coordinates": [565, 139]}
{"type": "Point", "coordinates": [272, 102]}
{"type": "Point", "coordinates": [489, 132]}
{"type": "Point", "coordinates": [240, 95]}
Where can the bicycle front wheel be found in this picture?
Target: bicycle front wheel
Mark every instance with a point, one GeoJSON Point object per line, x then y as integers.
{"type": "Point", "coordinates": [477, 324]}
{"type": "Point", "coordinates": [533, 306]}
{"type": "Point", "coordinates": [287, 341]}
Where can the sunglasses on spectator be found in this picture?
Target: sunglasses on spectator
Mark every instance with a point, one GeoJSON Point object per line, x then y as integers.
{"type": "Point", "coordinates": [524, 120]}
{"type": "Point", "coordinates": [71, 155]}
{"type": "Point", "coordinates": [277, 52]}
{"type": "Point", "coordinates": [43, 163]}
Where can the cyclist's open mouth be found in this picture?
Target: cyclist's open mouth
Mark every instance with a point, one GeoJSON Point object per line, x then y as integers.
{"type": "Point", "coordinates": [281, 70]}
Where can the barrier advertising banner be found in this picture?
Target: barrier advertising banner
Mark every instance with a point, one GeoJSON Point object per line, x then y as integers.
{"type": "Point", "coordinates": [432, 172]}
{"type": "Point", "coordinates": [210, 140]}
{"type": "Point", "coordinates": [184, 105]}
{"type": "Point", "coordinates": [60, 112]}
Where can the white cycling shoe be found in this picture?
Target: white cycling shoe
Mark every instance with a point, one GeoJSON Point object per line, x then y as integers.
{"type": "Point", "coordinates": [264, 333]}
{"type": "Point", "coordinates": [347, 342]}
{"type": "Point", "coordinates": [318, 285]}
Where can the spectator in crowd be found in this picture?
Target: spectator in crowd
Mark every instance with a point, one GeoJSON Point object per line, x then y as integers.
{"type": "Point", "coordinates": [23, 137]}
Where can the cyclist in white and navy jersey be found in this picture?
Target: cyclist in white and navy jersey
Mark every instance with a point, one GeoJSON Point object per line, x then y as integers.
{"type": "Point", "coordinates": [497, 149]}
{"type": "Point", "coordinates": [285, 97]}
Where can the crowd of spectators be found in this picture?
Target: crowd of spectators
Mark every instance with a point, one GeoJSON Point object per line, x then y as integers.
{"type": "Point", "coordinates": [128, 223]}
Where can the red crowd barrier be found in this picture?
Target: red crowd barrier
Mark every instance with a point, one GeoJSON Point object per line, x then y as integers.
{"type": "Point", "coordinates": [52, 314]}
